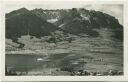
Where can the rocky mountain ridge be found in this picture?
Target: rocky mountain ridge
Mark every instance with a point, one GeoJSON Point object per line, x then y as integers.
{"type": "Point", "coordinates": [40, 22]}
{"type": "Point", "coordinates": [80, 20]}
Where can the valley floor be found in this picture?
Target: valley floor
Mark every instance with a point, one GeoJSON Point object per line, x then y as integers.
{"type": "Point", "coordinates": [83, 56]}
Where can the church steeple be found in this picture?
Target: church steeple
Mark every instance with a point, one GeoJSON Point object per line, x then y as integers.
{"type": "Point", "coordinates": [28, 31]}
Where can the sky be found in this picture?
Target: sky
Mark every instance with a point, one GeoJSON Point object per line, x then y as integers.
{"type": "Point", "coordinates": [115, 10]}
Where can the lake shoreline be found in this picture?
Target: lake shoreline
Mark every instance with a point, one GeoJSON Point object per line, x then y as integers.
{"type": "Point", "coordinates": [38, 52]}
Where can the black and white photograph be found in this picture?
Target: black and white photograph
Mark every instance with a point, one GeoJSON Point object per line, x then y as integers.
{"type": "Point", "coordinates": [62, 38]}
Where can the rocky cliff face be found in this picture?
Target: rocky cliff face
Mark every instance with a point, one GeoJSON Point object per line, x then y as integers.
{"type": "Point", "coordinates": [50, 15]}
{"type": "Point", "coordinates": [81, 21]}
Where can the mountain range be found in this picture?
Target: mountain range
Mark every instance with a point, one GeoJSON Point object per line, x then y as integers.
{"type": "Point", "coordinates": [40, 22]}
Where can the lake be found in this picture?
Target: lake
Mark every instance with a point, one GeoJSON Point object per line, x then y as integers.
{"type": "Point", "coordinates": [39, 63]}
{"type": "Point", "coordinates": [64, 62]}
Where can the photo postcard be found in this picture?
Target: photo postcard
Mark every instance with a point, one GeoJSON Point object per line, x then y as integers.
{"type": "Point", "coordinates": [64, 38]}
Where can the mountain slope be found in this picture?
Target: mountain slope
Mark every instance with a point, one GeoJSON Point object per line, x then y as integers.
{"type": "Point", "coordinates": [16, 12]}
{"type": "Point", "coordinates": [26, 22]}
